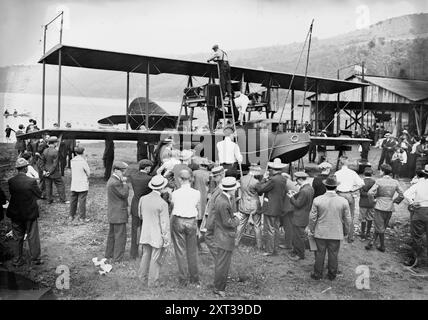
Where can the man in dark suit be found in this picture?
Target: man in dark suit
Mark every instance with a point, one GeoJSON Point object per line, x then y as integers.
{"type": "Point", "coordinates": [275, 190]}
{"type": "Point", "coordinates": [302, 203]}
{"type": "Point", "coordinates": [51, 171]}
{"type": "Point", "coordinates": [117, 212]}
{"type": "Point", "coordinates": [140, 184]}
{"type": "Point", "coordinates": [108, 158]}
{"type": "Point", "coordinates": [388, 149]}
{"type": "Point", "coordinates": [226, 222]}
{"type": "Point", "coordinates": [24, 211]}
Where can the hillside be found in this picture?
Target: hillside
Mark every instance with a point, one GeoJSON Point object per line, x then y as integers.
{"type": "Point", "coordinates": [395, 47]}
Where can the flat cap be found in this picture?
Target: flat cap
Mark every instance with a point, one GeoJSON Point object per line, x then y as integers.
{"type": "Point", "coordinates": [120, 165]}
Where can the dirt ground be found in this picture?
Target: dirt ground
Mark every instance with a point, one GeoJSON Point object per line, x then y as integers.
{"type": "Point", "coordinates": [252, 275]}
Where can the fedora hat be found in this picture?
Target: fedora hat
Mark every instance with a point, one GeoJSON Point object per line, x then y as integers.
{"type": "Point", "coordinates": [277, 164]}
{"type": "Point", "coordinates": [20, 163]}
{"type": "Point", "coordinates": [158, 182]}
{"type": "Point", "coordinates": [331, 181]}
{"type": "Point", "coordinates": [217, 171]}
{"type": "Point", "coordinates": [229, 183]}
{"type": "Point", "coordinates": [301, 174]}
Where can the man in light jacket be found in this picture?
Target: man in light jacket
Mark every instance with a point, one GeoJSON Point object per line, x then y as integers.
{"type": "Point", "coordinates": [155, 233]}
{"type": "Point", "coordinates": [79, 185]}
{"type": "Point", "coordinates": [329, 216]}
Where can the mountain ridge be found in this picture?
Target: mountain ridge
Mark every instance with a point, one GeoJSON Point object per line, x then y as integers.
{"type": "Point", "coordinates": [397, 47]}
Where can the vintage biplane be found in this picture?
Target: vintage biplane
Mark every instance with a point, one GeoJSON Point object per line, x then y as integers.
{"type": "Point", "coordinates": [260, 140]}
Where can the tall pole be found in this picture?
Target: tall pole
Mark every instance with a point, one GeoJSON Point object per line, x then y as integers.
{"type": "Point", "coordinates": [338, 108]}
{"type": "Point", "coordinates": [44, 77]}
{"type": "Point", "coordinates": [147, 94]}
{"type": "Point", "coordinates": [362, 99]}
{"type": "Point", "coordinates": [316, 108]}
{"type": "Point", "coordinates": [127, 100]}
{"type": "Point", "coordinates": [292, 110]}
{"type": "Point", "coordinates": [60, 29]}
{"type": "Point", "coordinates": [59, 86]}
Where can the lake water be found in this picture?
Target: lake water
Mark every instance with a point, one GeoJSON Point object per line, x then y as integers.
{"type": "Point", "coordinates": [84, 112]}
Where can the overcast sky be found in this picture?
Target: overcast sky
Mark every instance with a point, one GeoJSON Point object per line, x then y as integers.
{"type": "Point", "coordinates": [166, 27]}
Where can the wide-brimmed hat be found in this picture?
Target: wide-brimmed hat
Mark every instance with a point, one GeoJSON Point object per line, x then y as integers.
{"type": "Point", "coordinates": [325, 165]}
{"type": "Point", "coordinates": [229, 183]}
{"type": "Point", "coordinates": [425, 169]}
{"type": "Point", "coordinates": [387, 135]}
{"type": "Point", "coordinates": [168, 140]}
{"type": "Point", "coordinates": [331, 181]}
{"type": "Point", "coordinates": [186, 155]}
{"type": "Point", "coordinates": [205, 162]}
{"type": "Point", "coordinates": [277, 164]}
{"type": "Point", "coordinates": [217, 171]}
{"type": "Point", "coordinates": [120, 165]}
{"type": "Point", "coordinates": [52, 139]}
{"type": "Point", "coordinates": [301, 174]}
{"type": "Point", "coordinates": [158, 182]}
{"type": "Point", "coordinates": [20, 163]}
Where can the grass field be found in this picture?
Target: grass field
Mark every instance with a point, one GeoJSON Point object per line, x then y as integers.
{"type": "Point", "coordinates": [252, 276]}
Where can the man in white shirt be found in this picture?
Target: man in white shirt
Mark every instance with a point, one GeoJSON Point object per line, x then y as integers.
{"type": "Point", "coordinates": [229, 154]}
{"type": "Point", "coordinates": [222, 60]}
{"type": "Point", "coordinates": [79, 185]}
{"type": "Point", "coordinates": [241, 103]}
{"type": "Point", "coordinates": [185, 209]}
{"type": "Point", "coordinates": [31, 172]}
{"type": "Point", "coordinates": [417, 195]}
{"type": "Point", "coordinates": [349, 181]}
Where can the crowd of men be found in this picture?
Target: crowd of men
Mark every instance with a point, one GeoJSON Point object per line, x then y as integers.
{"type": "Point", "coordinates": [183, 201]}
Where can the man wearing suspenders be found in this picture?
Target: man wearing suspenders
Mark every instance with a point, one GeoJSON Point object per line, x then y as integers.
{"type": "Point", "coordinates": [221, 58]}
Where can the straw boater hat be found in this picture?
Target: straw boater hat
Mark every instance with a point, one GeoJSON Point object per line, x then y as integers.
{"type": "Point", "coordinates": [186, 155]}
{"type": "Point", "coordinates": [325, 167]}
{"type": "Point", "coordinates": [20, 163]}
{"type": "Point", "coordinates": [331, 181]}
{"type": "Point", "coordinates": [301, 174]}
{"type": "Point", "coordinates": [277, 164]}
{"type": "Point", "coordinates": [217, 171]}
{"type": "Point", "coordinates": [52, 139]}
{"type": "Point", "coordinates": [229, 183]}
{"type": "Point", "coordinates": [158, 182]}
